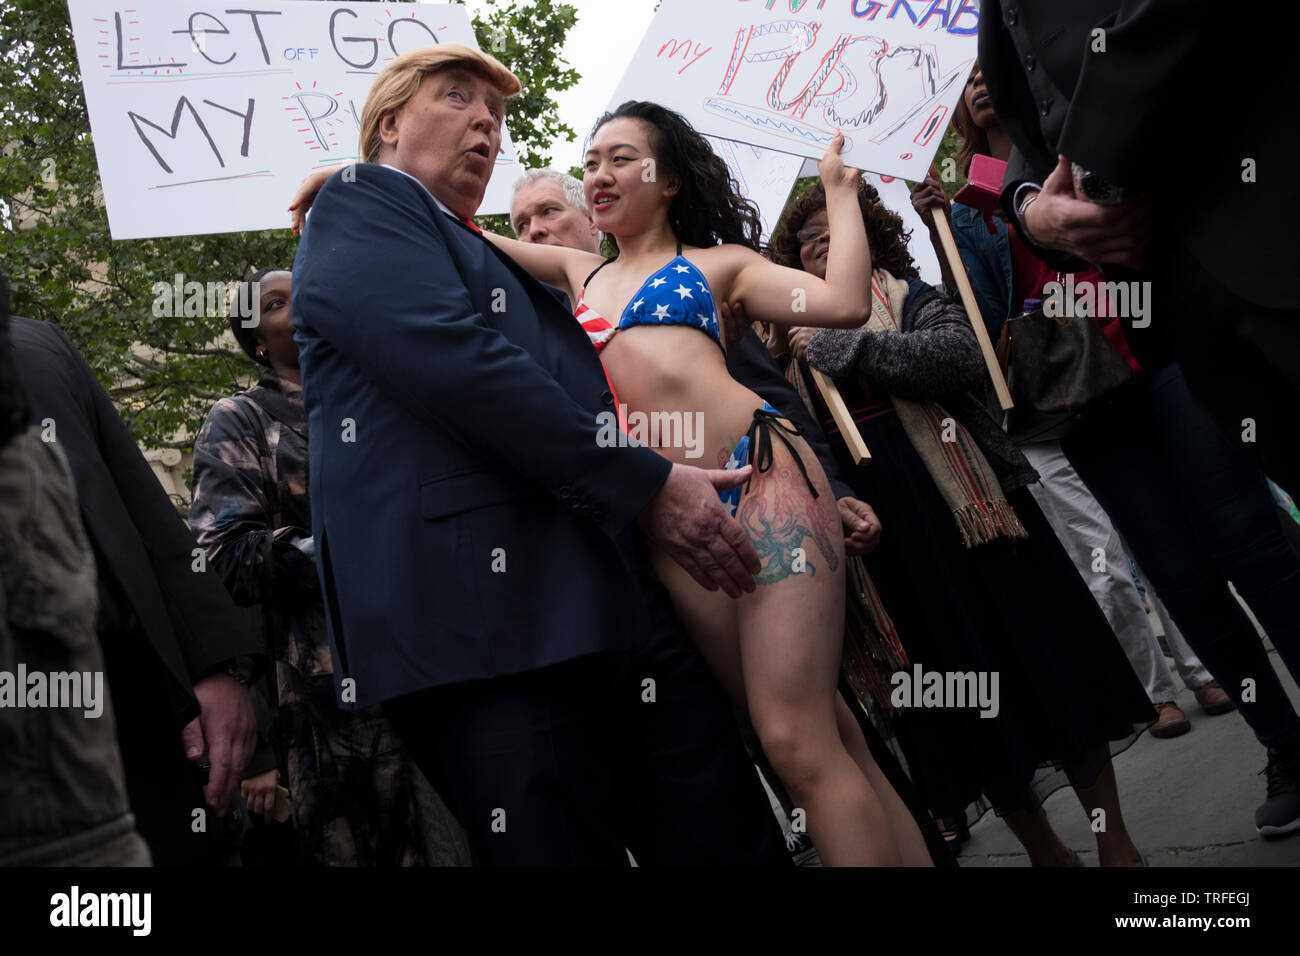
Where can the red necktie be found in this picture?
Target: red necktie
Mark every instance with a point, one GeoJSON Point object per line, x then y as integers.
{"type": "Point", "coordinates": [470, 222]}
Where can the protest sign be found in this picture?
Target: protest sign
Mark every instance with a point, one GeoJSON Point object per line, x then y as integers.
{"type": "Point", "coordinates": [785, 74]}
{"type": "Point", "coordinates": [206, 117]}
{"type": "Point", "coordinates": [763, 176]}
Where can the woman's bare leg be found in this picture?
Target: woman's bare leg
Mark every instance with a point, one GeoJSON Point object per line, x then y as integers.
{"type": "Point", "coordinates": [711, 618]}
{"type": "Point", "coordinates": [1040, 841]}
{"type": "Point", "coordinates": [791, 634]}
{"type": "Point", "coordinates": [902, 824]}
{"type": "Point", "coordinates": [1114, 845]}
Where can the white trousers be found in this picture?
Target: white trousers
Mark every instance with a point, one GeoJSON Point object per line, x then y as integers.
{"type": "Point", "coordinates": [1098, 552]}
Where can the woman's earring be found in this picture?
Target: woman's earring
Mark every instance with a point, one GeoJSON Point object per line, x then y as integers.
{"type": "Point", "coordinates": [261, 355]}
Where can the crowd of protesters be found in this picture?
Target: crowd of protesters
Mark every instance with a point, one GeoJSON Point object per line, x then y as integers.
{"type": "Point", "coordinates": [423, 614]}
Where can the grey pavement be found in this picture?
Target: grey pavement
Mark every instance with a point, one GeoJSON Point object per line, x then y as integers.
{"type": "Point", "coordinates": [1187, 801]}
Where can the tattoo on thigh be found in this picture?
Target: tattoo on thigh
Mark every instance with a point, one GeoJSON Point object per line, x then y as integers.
{"type": "Point", "coordinates": [778, 515]}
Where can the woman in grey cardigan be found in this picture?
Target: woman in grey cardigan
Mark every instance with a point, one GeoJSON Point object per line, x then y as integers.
{"type": "Point", "coordinates": [1010, 654]}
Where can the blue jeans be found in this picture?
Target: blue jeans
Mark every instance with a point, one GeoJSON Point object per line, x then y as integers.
{"type": "Point", "coordinates": [1196, 515]}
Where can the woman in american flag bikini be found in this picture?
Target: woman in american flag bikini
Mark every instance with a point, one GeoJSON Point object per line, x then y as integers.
{"type": "Point", "coordinates": [685, 242]}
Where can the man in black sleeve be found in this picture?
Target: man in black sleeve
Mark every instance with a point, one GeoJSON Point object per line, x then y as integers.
{"type": "Point", "coordinates": [1156, 138]}
{"type": "Point", "coordinates": [178, 654]}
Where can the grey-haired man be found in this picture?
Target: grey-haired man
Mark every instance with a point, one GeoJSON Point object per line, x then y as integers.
{"type": "Point", "coordinates": [550, 209]}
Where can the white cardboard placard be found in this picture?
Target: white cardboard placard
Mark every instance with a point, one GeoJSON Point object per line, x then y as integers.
{"type": "Point", "coordinates": [764, 176]}
{"type": "Point", "coordinates": [785, 74]}
{"type": "Point", "coordinates": [206, 116]}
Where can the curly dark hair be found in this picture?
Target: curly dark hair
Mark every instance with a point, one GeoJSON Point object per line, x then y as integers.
{"type": "Point", "coordinates": [242, 307]}
{"type": "Point", "coordinates": [707, 208]}
{"type": "Point", "coordinates": [885, 232]}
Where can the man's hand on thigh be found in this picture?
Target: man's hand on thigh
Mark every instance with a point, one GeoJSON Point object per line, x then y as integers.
{"type": "Point", "coordinates": [689, 522]}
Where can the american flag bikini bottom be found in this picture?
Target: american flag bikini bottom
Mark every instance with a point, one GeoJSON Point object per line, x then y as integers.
{"type": "Point", "coordinates": [767, 421]}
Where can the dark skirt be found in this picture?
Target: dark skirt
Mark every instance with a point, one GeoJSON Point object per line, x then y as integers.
{"type": "Point", "coordinates": [1067, 696]}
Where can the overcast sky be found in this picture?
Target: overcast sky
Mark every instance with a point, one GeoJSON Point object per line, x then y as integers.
{"type": "Point", "coordinates": [599, 47]}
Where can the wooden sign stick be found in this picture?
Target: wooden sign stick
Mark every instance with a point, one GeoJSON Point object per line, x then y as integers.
{"type": "Point", "coordinates": [972, 308]}
{"type": "Point", "coordinates": [843, 420]}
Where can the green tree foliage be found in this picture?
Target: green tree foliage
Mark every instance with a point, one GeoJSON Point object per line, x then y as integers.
{"type": "Point", "coordinates": [527, 37]}
{"type": "Point", "coordinates": [164, 373]}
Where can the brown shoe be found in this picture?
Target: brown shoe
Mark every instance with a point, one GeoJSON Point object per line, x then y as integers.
{"type": "Point", "coordinates": [1213, 700]}
{"type": "Point", "coordinates": [1170, 720]}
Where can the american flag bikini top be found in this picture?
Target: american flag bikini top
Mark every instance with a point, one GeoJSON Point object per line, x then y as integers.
{"type": "Point", "coordinates": [678, 294]}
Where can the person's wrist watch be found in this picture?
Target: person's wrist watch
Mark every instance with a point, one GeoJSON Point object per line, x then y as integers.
{"type": "Point", "coordinates": [1095, 188]}
{"type": "Point", "coordinates": [241, 669]}
{"type": "Point", "coordinates": [1021, 207]}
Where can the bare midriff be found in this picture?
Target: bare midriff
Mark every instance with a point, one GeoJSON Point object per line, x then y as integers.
{"type": "Point", "coordinates": [674, 372]}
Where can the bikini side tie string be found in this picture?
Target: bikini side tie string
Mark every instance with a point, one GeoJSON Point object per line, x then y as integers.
{"type": "Point", "coordinates": [760, 444]}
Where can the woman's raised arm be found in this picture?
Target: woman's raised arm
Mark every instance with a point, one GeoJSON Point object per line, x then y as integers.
{"type": "Point", "coordinates": [785, 296]}
{"type": "Point", "coordinates": [559, 266]}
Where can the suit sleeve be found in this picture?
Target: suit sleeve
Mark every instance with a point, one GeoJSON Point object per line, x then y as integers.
{"type": "Point", "coordinates": [209, 629]}
{"type": "Point", "coordinates": [376, 280]}
{"type": "Point", "coordinates": [1018, 173]}
{"type": "Point", "coordinates": [1124, 95]}
{"type": "Point", "coordinates": [752, 365]}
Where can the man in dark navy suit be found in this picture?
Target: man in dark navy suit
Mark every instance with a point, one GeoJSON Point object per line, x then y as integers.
{"type": "Point", "coordinates": [481, 555]}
